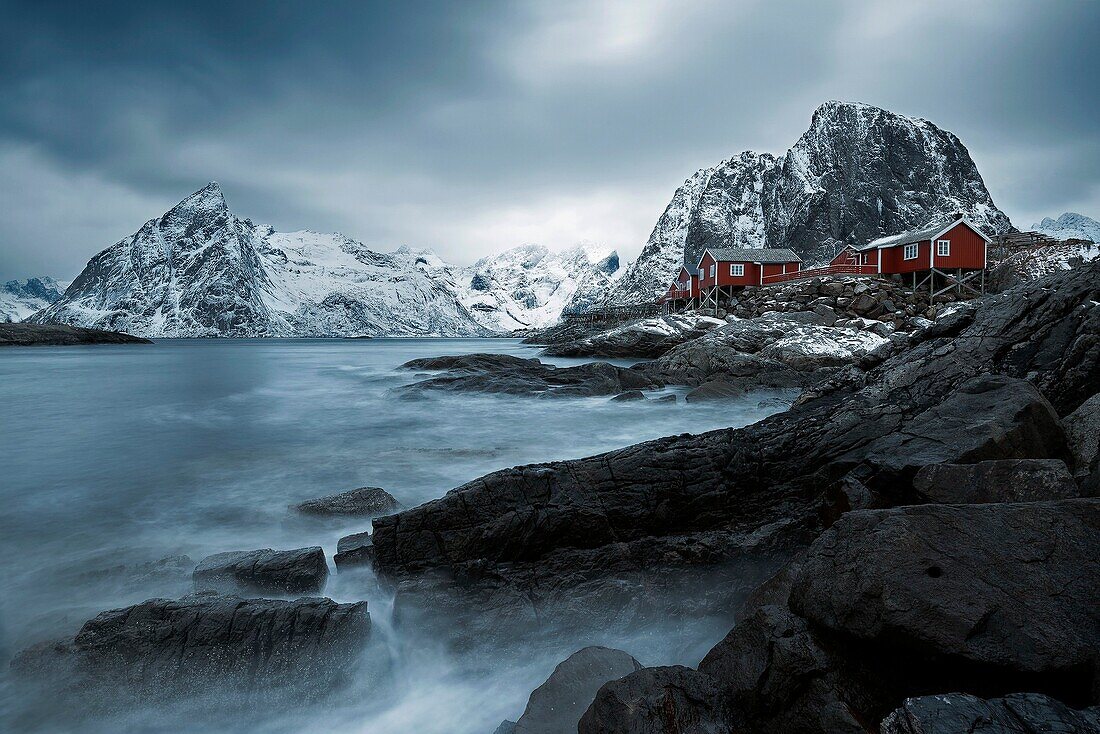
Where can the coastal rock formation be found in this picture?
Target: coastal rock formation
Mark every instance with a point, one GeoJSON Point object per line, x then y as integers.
{"type": "Point", "coordinates": [1017, 713]}
{"type": "Point", "coordinates": [266, 571]}
{"type": "Point", "coordinates": [163, 648]}
{"type": "Point", "coordinates": [362, 502]}
{"type": "Point", "coordinates": [28, 335]}
{"type": "Point", "coordinates": [503, 373]}
{"type": "Point", "coordinates": [354, 550]}
{"type": "Point", "coordinates": [987, 599]}
{"type": "Point", "coordinates": [858, 173]}
{"type": "Point", "coordinates": [1009, 480]}
{"type": "Point", "coordinates": [983, 384]}
{"type": "Point", "coordinates": [643, 339]}
{"type": "Point", "coordinates": [556, 706]}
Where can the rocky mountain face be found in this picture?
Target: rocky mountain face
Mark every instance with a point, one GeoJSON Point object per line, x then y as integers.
{"type": "Point", "coordinates": [1070, 226]}
{"type": "Point", "coordinates": [530, 287]}
{"type": "Point", "coordinates": [20, 299]}
{"type": "Point", "coordinates": [858, 173]}
{"type": "Point", "coordinates": [199, 270]}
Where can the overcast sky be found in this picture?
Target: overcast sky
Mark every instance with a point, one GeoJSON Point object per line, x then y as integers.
{"type": "Point", "coordinates": [470, 127]}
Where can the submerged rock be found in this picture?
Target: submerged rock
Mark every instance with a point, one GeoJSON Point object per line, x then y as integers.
{"type": "Point", "coordinates": [163, 648]}
{"type": "Point", "coordinates": [556, 706]}
{"type": "Point", "coordinates": [267, 571]}
{"type": "Point", "coordinates": [362, 502]}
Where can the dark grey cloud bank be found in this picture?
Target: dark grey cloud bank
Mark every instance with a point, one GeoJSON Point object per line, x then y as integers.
{"type": "Point", "coordinates": [469, 127]}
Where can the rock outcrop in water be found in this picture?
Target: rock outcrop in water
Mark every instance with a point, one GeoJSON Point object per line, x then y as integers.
{"type": "Point", "coordinates": [503, 373]}
{"type": "Point", "coordinates": [547, 541]}
{"type": "Point", "coordinates": [163, 648]}
{"type": "Point", "coordinates": [362, 502]}
{"type": "Point", "coordinates": [266, 571]}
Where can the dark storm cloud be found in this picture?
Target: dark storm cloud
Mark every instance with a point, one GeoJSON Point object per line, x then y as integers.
{"type": "Point", "coordinates": [469, 127]}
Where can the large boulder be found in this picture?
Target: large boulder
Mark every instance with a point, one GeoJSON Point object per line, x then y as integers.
{"type": "Point", "coordinates": [362, 502]}
{"type": "Point", "coordinates": [665, 700]}
{"type": "Point", "coordinates": [1004, 480]}
{"type": "Point", "coordinates": [1018, 713]}
{"type": "Point", "coordinates": [891, 604]}
{"type": "Point", "coordinates": [556, 706]}
{"type": "Point", "coordinates": [163, 648]}
{"type": "Point", "coordinates": [644, 339]}
{"type": "Point", "coordinates": [265, 571]}
{"type": "Point", "coordinates": [354, 550]}
{"type": "Point", "coordinates": [1083, 432]}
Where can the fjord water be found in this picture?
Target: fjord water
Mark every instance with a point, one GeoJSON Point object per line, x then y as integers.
{"type": "Point", "coordinates": [119, 456]}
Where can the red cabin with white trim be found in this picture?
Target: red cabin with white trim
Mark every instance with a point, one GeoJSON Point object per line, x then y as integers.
{"type": "Point", "coordinates": [953, 245]}
{"type": "Point", "coordinates": [744, 266]}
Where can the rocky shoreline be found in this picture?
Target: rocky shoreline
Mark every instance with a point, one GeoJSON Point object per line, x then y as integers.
{"type": "Point", "coordinates": [26, 335]}
{"type": "Point", "coordinates": [913, 544]}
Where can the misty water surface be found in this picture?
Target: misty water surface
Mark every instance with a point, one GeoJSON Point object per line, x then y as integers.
{"type": "Point", "coordinates": [117, 456]}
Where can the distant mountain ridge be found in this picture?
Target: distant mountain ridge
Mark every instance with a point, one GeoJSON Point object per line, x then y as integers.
{"type": "Point", "coordinates": [858, 173]}
{"type": "Point", "coordinates": [199, 270]}
{"type": "Point", "coordinates": [21, 299]}
{"type": "Point", "coordinates": [1070, 226]}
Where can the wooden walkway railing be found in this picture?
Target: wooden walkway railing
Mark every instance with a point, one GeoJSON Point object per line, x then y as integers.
{"type": "Point", "coordinates": [825, 270]}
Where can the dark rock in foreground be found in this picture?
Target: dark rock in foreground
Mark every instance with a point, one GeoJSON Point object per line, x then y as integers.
{"type": "Point", "coordinates": [889, 604]}
{"type": "Point", "coordinates": [163, 648]}
{"type": "Point", "coordinates": [556, 706]}
{"type": "Point", "coordinates": [1007, 480]}
{"type": "Point", "coordinates": [1083, 432]}
{"type": "Point", "coordinates": [1018, 713]}
{"type": "Point", "coordinates": [25, 335]}
{"type": "Point", "coordinates": [362, 502]}
{"type": "Point", "coordinates": [502, 373]}
{"type": "Point", "coordinates": [657, 701]}
{"type": "Point", "coordinates": [354, 550]}
{"type": "Point", "coordinates": [267, 571]}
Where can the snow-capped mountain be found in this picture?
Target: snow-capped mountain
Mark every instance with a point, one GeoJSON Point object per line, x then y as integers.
{"type": "Point", "coordinates": [1070, 226]}
{"type": "Point", "coordinates": [858, 173]}
{"type": "Point", "coordinates": [530, 287]}
{"type": "Point", "coordinates": [21, 299]}
{"type": "Point", "coordinates": [199, 270]}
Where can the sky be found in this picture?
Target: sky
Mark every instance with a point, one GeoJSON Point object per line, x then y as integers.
{"type": "Point", "coordinates": [470, 127]}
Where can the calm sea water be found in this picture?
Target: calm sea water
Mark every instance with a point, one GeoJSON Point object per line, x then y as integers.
{"type": "Point", "coordinates": [117, 456]}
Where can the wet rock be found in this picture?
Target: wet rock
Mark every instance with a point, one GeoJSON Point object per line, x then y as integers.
{"type": "Point", "coordinates": [715, 390]}
{"type": "Point", "coordinates": [498, 373]}
{"type": "Point", "coordinates": [1083, 431]}
{"type": "Point", "coordinates": [266, 571]}
{"type": "Point", "coordinates": [656, 701]}
{"type": "Point", "coordinates": [354, 550]}
{"type": "Point", "coordinates": [556, 706]}
{"type": "Point", "coordinates": [164, 648]}
{"type": "Point", "coordinates": [643, 339]}
{"type": "Point", "coordinates": [1018, 713]}
{"type": "Point", "coordinates": [362, 502]}
{"type": "Point", "coordinates": [1005, 480]}
{"type": "Point", "coordinates": [629, 395]}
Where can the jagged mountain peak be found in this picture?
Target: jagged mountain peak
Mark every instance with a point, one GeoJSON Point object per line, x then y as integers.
{"type": "Point", "coordinates": [859, 172]}
{"type": "Point", "coordinates": [1070, 225]}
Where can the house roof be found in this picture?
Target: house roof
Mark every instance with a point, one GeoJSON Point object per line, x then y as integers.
{"type": "Point", "coordinates": [691, 269]}
{"type": "Point", "coordinates": [752, 255]}
{"type": "Point", "coordinates": [929, 231]}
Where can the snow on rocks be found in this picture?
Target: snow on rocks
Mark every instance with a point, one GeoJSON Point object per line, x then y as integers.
{"type": "Point", "coordinates": [21, 299]}
{"type": "Point", "coordinates": [646, 338]}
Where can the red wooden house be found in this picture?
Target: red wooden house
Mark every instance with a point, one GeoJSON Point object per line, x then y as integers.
{"type": "Point", "coordinates": [937, 249]}
{"type": "Point", "coordinates": [721, 270]}
{"type": "Point", "coordinates": [684, 291]}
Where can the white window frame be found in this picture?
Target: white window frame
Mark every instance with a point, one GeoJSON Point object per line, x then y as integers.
{"type": "Point", "coordinates": [914, 248]}
{"type": "Point", "coordinates": [737, 270]}
{"type": "Point", "coordinates": [943, 248]}
{"type": "Point", "coordinates": [713, 269]}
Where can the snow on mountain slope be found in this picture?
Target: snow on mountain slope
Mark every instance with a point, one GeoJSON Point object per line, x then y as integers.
{"type": "Point", "coordinates": [199, 270]}
{"type": "Point", "coordinates": [1070, 226]}
{"type": "Point", "coordinates": [21, 299]}
{"type": "Point", "coordinates": [530, 287]}
{"type": "Point", "coordinates": [858, 173]}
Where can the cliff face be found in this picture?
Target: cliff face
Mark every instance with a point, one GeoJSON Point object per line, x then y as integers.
{"type": "Point", "coordinates": [858, 173]}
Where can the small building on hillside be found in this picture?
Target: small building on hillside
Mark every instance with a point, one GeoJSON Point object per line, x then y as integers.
{"type": "Point", "coordinates": [937, 249]}
{"type": "Point", "coordinates": [723, 270]}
